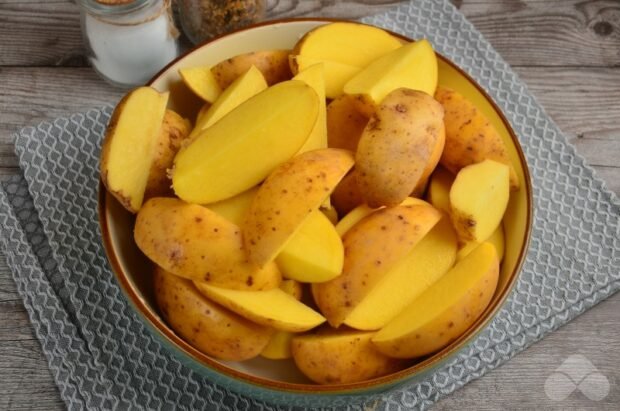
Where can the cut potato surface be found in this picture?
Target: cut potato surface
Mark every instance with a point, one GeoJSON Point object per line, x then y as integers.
{"type": "Point", "coordinates": [497, 239]}
{"type": "Point", "coordinates": [130, 143]}
{"type": "Point", "coordinates": [314, 77]}
{"type": "Point", "coordinates": [235, 208]}
{"type": "Point", "coordinates": [372, 248]}
{"type": "Point", "coordinates": [247, 85]}
{"type": "Point", "coordinates": [274, 308]}
{"type": "Point", "coordinates": [445, 310]}
{"type": "Point", "coordinates": [202, 82]}
{"type": "Point", "coordinates": [341, 357]}
{"type": "Point", "coordinates": [291, 193]}
{"type": "Point", "coordinates": [205, 325]}
{"type": "Point", "coordinates": [336, 73]}
{"type": "Point", "coordinates": [430, 259]}
{"type": "Point", "coordinates": [241, 149]}
{"type": "Point", "coordinates": [194, 242]}
{"type": "Point", "coordinates": [439, 189]}
{"type": "Point", "coordinates": [412, 66]}
{"type": "Point", "coordinates": [315, 253]}
{"type": "Point", "coordinates": [478, 199]}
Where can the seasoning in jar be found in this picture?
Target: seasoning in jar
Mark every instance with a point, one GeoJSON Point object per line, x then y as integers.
{"type": "Point", "coordinates": [128, 41]}
{"type": "Point", "coordinates": [205, 19]}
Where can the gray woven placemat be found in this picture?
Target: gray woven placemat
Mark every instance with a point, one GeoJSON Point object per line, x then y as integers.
{"type": "Point", "coordinates": [102, 357]}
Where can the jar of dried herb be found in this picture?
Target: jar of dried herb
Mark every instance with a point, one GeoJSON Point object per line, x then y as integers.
{"type": "Point", "coordinates": [204, 19]}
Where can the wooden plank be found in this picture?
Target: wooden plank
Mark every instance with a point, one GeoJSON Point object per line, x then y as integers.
{"type": "Point", "coordinates": [557, 33]}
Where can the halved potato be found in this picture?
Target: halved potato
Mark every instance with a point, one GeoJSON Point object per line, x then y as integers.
{"type": "Point", "coordinates": [134, 128]}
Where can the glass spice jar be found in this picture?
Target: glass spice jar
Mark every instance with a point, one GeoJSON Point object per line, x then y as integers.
{"type": "Point", "coordinates": [128, 41]}
{"type": "Point", "coordinates": [204, 19]}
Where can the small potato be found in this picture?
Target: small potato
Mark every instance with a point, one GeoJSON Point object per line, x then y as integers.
{"type": "Point", "coordinates": [345, 123]}
{"type": "Point", "coordinates": [373, 247]}
{"type": "Point", "coordinates": [207, 326]}
{"type": "Point", "coordinates": [470, 136]}
{"type": "Point", "coordinates": [196, 243]}
{"type": "Point", "coordinates": [341, 357]}
{"type": "Point", "coordinates": [173, 133]}
{"type": "Point", "coordinates": [396, 146]}
{"type": "Point", "coordinates": [445, 310]}
{"type": "Point", "coordinates": [289, 195]}
{"type": "Point", "coordinates": [272, 63]}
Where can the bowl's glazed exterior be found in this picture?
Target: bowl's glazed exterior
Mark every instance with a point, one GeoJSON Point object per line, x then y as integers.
{"type": "Point", "coordinates": [279, 381]}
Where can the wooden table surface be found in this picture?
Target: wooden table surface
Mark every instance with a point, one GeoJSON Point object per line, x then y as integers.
{"type": "Point", "coordinates": [567, 51]}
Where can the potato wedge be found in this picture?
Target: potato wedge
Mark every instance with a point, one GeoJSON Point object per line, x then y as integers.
{"type": "Point", "coordinates": [396, 146]}
{"type": "Point", "coordinates": [244, 87]}
{"type": "Point", "coordinates": [430, 259]}
{"type": "Point", "coordinates": [279, 346]}
{"type": "Point", "coordinates": [272, 63]}
{"type": "Point", "coordinates": [439, 189]}
{"type": "Point", "coordinates": [245, 146]}
{"type": "Point", "coordinates": [470, 137]}
{"type": "Point", "coordinates": [134, 128]}
{"type": "Point", "coordinates": [341, 357]}
{"type": "Point", "coordinates": [206, 326]}
{"type": "Point", "coordinates": [193, 242]}
{"type": "Point", "coordinates": [373, 247]}
{"type": "Point", "coordinates": [315, 253]}
{"type": "Point", "coordinates": [345, 124]}
{"type": "Point", "coordinates": [336, 73]}
{"type": "Point", "coordinates": [314, 77]}
{"type": "Point", "coordinates": [347, 194]}
{"type": "Point", "coordinates": [298, 187]}
{"type": "Point", "coordinates": [478, 199]}
{"type": "Point", "coordinates": [497, 239]}
{"type": "Point", "coordinates": [349, 43]}
{"type": "Point", "coordinates": [445, 310]}
{"type": "Point", "coordinates": [202, 82]}
{"type": "Point", "coordinates": [273, 308]}
{"type": "Point", "coordinates": [412, 66]}
{"type": "Point", "coordinates": [234, 209]}
{"type": "Point", "coordinates": [174, 130]}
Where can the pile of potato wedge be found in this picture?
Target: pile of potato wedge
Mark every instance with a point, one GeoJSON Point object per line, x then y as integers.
{"type": "Point", "coordinates": [329, 204]}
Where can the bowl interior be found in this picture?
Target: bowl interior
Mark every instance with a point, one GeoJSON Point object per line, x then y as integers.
{"type": "Point", "coordinates": [134, 270]}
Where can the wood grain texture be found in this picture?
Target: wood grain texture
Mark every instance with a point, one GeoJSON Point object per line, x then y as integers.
{"type": "Point", "coordinates": [567, 51]}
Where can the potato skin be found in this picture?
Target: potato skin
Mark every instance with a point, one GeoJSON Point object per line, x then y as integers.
{"type": "Point", "coordinates": [470, 137]}
{"type": "Point", "coordinates": [345, 124]}
{"type": "Point", "coordinates": [347, 195]}
{"type": "Point", "coordinates": [341, 357]}
{"type": "Point", "coordinates": [396, 146]}
{"type": "Point", "coordinates": [274, 64]}
{"type": "Point", "coordinates": [205, 325]}
{"type": "Point", "coordinates": [196, 243]}
{"type": "Point", "coordinates": [174, 131]}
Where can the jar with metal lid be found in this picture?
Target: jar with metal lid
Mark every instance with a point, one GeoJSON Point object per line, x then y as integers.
{"type": "Point", "coordinates": [204, 19]}
{"type": "Point", "coordinates": [128, 41]}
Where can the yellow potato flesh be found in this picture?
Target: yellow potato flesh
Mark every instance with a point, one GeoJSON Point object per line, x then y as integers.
{"type": "Point", "coordinates": [274, 308]}
{"type": "Point", "coordinates": [336, 74]}
{"type": "Point", "coordinates": [445, 310]}
{"type": "Point", "coordinates": [314, 254]}
{"type": "Point", "coordinates": [470, 137]}
{"type": "Point", "coordinates": [205, 325]}
{"type": "Point", "coordinates": [497, 239]}
{"type": "Point", "coordinates": [246, 86]}
{"type": "Point", "coordinates": [235, 208]}
{"type": "Point", "coordinates": [431, 258]}
{"type": "Point", "coordinates": [193, 242]}
{"type": "Point", "coordinates": [478, 199]}
{"type": "Point", "coordinates": [341, 357]}
{"type": "Point", "coordinates": [272, 63]}
{"type": "Point", "coordinates": [372, 248]}
{"type": "Point", "coordinates": [241, 149]}
{"type": "Point", "coordinates": [412, 66]}
{"type": "Point", "coordinates": [439, 189]}
{"type": "Point", "coordinates": [291, 193]}
{"type": "Point", "coordinates": [279, 346]}
{"type": "Point", "coordinates": [202, 82]}
{"type": "Point", "coordinates": [348, 43]}
{"type": "Point", "coordinates": [130, 143]}
{"type": "Point", "coordinates": [313, 76]}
